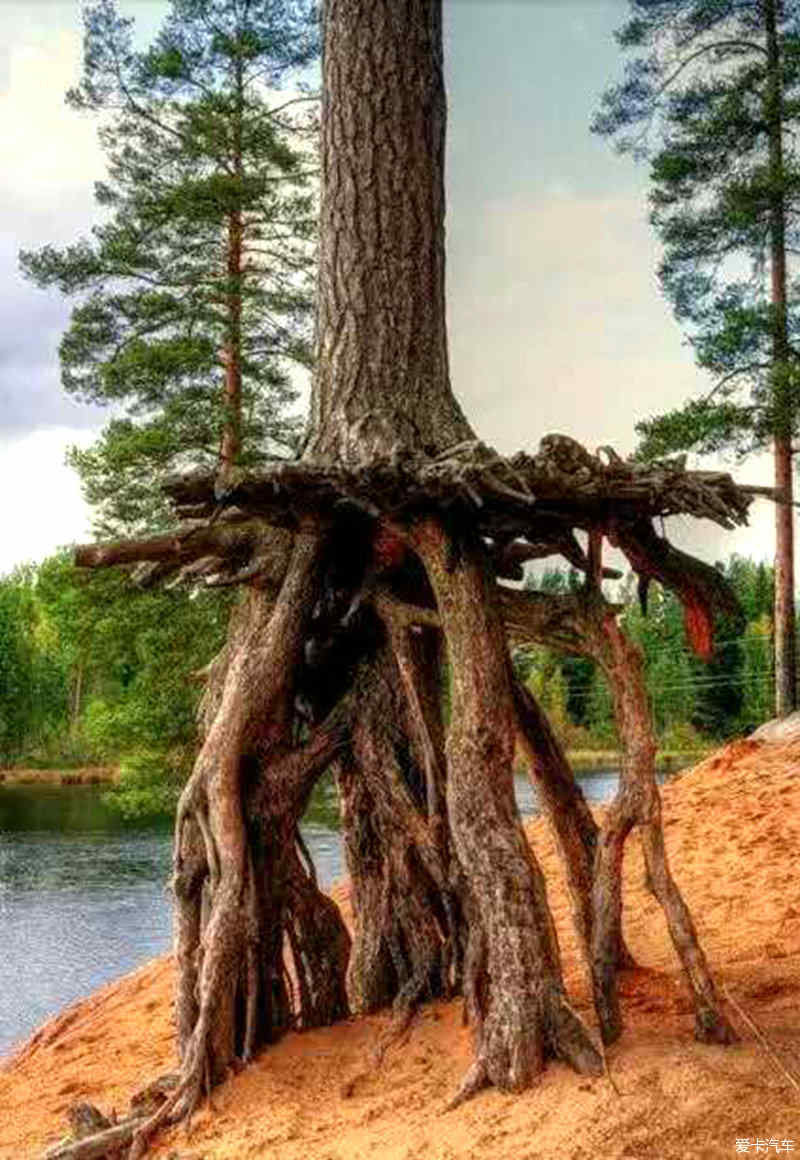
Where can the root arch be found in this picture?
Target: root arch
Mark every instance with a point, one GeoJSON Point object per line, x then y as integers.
{"type": "Point", "coordinates": [343, 670]}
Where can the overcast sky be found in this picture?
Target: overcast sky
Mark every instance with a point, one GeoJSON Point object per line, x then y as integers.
{"type": "Point", "coordinates": [556, 323]}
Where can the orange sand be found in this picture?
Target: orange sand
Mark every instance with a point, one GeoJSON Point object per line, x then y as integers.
{"type": "Point", "coordinates": [733, 831]}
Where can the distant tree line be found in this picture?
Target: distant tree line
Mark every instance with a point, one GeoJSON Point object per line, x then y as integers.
{"type": "Point", "coordinates": [692, 702]}
{"type": "Point", "coordinates": [96, 670]}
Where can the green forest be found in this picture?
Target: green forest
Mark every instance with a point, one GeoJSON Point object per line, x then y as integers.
{"type": "Point", "coordinates": [97, 671]}
{"type": "Point", "coordinates": [94, 670]}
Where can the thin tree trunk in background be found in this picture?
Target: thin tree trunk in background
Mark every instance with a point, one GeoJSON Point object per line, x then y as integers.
{"type": "Point", "coordinates": [783, 414]}
{"type": "Point", "coordinates": [77, 698]}
{"type": "Point", "coordinates": [231, 443]}
{"type": "Point", "coordinates": [784, 618]}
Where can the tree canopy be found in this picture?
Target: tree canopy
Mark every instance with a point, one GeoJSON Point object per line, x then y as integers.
{"type": "Point", "coordinates": [711, 95]}
{"type": "Point", "coordinates": [194, 290]}
{"type": "Point", "coordinates": [700, 99]}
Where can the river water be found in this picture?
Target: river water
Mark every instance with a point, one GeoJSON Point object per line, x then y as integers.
{"type": "Point", "coordinates": [83, 897]}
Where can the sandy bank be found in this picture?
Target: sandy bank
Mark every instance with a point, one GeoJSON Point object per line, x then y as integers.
{"type": "Point", "coordinates": [733, 836]}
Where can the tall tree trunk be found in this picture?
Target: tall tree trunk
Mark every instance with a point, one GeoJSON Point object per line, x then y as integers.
{"type": "Point", "coordinates": [231, 443]}
{"type": "Point", "coordinates": [783, 405]}
{"type": "Point", "coordinates": [381, 384]}
{"type": "Point", "coordinates": [381, 389]}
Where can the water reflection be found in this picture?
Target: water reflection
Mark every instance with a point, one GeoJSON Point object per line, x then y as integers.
{"type": "Point", "coordinates": [83, 897]}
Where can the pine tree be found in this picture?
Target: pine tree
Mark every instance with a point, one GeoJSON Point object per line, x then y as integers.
{"type": "Point", "coordinates": [195, 289]}
{"type": "Point", "coordinates": [712, 94]}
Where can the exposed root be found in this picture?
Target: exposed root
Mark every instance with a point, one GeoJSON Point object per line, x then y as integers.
{"type": "Point", "coordinates": [164, 1115]}
{"type": "Point", "coordinates": [394, 1033]}
{"type": "Point", "coordinates": [445, 887]}
{"type": "Point", "coordinates": [570, 1039]}
{"type": "Point", "coordinates": [520, 985]}
{"type": "Point", "coordinates": [305, 854]}
{"type": "Point", "coordinates": [711, 1024]}
{"type": "Point", "coordinates": [212, 857]}
{"type": "Point", "coordinates": [251, 964]}
{"type": "Point", "coordinates": [603, 947]}
{"type": "Point", "coordinates": [476, 1079]}
{"type": "Point", "coordinates": [638, 803]}
{"type": "Point", "coordinates": [98, 1146]}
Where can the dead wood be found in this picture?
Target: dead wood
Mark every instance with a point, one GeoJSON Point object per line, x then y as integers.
{"type": "Point", "coordinates": [535, 500]}
{"type": "Point", "coordinates": [562, 486]}
{"type": "Point", "coordinates": [224, 551]}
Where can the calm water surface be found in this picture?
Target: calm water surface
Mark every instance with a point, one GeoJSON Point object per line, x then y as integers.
{"type": "Point", "coordinates": [83, 897]}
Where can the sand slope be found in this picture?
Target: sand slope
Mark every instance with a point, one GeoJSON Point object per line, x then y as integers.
{"type": "Point", "coordinates": [733, 836]}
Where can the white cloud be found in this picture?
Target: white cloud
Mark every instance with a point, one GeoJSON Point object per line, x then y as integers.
{"type": "Point", "coordinates": [42, 507]}
{"type": "Point", "coordinates": [557, 324]}
{"type": "Point", "coordinates": [54, 149]}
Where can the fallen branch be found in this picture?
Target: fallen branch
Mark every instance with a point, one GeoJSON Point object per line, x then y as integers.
{"type": "Point", "coordinates": [102, 1144]}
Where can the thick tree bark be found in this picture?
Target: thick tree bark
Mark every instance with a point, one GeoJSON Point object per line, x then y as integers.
{"type": "Point", "coordinates": [524, 1015]}
{"type": "Point", "coordinates": [381, 381]}
{"type": "Point", "coordinates": [408, 934]}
